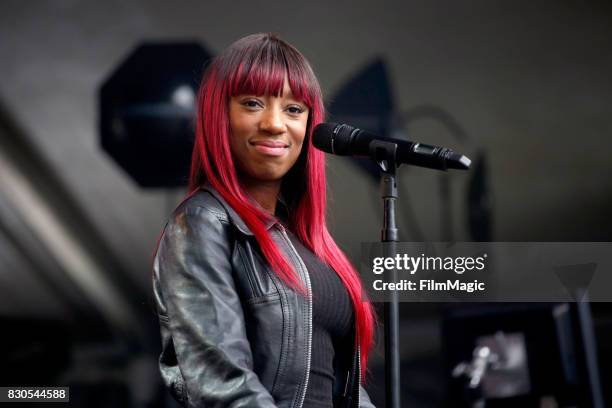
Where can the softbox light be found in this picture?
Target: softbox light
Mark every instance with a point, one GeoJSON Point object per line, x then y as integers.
{"type": "Point", "coordinates": [147, 109]}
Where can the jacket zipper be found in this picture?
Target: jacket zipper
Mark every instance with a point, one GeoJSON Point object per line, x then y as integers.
{"type": "Point", "coordinates": [355, 368]}
{"type": "Point", "coordinates": [309, 351]}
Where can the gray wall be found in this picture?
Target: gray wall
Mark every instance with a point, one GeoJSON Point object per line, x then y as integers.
{"type": "Point", "coordinates": [528, 81]}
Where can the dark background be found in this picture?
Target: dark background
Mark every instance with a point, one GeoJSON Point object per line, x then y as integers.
{"type": "Point", "coordinates": [529, 82]}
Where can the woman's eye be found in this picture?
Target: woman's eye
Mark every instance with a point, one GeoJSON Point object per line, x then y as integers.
{"type": "Point", "coordinates": [296, 110]}
{"type": "Point", "coordinates": [251, 103]}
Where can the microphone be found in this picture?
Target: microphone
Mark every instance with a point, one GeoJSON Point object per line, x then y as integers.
{"type": "Point", "coordinates": [345, 140]}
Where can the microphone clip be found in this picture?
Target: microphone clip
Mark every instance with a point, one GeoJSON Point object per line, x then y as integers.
{"type": "Point", "coordinates": [384, 155]}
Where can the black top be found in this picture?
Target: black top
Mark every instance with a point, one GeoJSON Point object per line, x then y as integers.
{"type": "Point", "coordinates": [332, 336]}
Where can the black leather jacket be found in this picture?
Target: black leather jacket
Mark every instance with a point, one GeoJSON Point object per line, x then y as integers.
{"type": "Point", "coordinates": [233, 335]}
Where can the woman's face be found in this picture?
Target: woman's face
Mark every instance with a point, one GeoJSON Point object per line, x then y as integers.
{"type": "Point", "coordinates": [267, 133]}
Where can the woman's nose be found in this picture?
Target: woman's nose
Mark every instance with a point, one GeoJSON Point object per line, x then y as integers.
{"type": "Point", "coordinates": [272, 121]}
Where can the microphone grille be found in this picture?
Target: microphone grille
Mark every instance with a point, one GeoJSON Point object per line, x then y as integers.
{"type": "Point", "coordinates": [322, 136]}
{"type": "Point", "coordinates": [334, 138]}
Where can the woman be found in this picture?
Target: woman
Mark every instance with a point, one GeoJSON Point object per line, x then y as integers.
{"type": "Point", "coordinates": [258, 306]}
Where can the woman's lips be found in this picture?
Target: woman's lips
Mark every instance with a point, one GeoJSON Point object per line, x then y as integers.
{"type": "Point", "coordinates": [271, 148]}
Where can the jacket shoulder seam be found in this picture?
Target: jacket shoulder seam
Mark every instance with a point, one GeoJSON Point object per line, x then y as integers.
{"type": "Point", "coordinates": [211, 206]}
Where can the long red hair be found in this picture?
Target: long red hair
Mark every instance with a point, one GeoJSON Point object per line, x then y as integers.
{"type": "Point", "coordinates": [258, 65]}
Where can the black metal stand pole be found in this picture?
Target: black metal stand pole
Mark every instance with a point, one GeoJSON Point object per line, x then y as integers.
{"type": "Point", "coordinates": [384, 154]}
{"type": "Point", "coordinates": [389, 237]}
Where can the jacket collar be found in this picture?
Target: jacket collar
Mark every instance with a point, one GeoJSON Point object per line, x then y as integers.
{"type": "Point", "coordinates": [235, 218]}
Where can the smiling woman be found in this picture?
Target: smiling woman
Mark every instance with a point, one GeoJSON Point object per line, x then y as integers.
{"type": "Point", "coordinates": [258, 307]}
{"type": "Point", "coordinates": [267, 133]}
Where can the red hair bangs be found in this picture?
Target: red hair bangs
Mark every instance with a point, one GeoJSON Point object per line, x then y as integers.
{"type": "Point", "coordinates": [263, 70]}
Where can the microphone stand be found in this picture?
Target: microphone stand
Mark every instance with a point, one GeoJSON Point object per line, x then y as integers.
{"type": "Point", "coordinates": [384, 154]}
